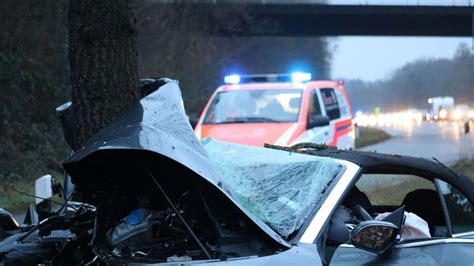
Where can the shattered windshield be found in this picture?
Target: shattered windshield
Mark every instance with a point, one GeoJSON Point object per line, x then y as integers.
{"type": "Point", "coordinates": [280, 188]}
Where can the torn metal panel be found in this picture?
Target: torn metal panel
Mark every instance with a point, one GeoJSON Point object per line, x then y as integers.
{"type": "Point", "coordinates": [157, 123]}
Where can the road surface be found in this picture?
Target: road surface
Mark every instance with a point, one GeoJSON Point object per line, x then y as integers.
{"type": "Point", "coordinates": [443, 140]}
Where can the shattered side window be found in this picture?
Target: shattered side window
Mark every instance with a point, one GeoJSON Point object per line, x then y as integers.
{"type": "Point", "coordinates": [280, 188]}
{"type": "Point", "coordinates": [460, 209]}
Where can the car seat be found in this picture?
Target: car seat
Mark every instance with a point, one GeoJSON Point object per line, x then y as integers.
{"type": "Point", "coordinates": [357, 197]}
{"type": "Point", "coordinates": [273, 110]}
{"type": "Point", "coordinates": [426, 204]}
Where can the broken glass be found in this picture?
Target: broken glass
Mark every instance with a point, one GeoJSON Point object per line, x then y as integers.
{"type": "Point", "coordinates": [279, 187]}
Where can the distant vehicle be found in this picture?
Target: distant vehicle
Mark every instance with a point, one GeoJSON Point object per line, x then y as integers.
{"type": "Point", "coordinates": [416, 114]}
{"type": "Point", "coordinates": [282, 109]}
{"type": "Point", "coordinates": [441, 107]}
{"type": "Point", "coordinates": [459, 113]}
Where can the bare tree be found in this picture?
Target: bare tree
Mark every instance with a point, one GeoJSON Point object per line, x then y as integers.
{"type": "Point", "coordinates": [104, 63]}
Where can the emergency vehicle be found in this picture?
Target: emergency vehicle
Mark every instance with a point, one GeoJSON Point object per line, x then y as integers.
{"type": "Point", "coordinates": [281, 109]}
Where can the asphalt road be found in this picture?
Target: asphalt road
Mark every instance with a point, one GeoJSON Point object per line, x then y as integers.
{"type": "Point", "coordinates": [443, 140]}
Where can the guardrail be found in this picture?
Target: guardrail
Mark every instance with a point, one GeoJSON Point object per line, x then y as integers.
{"type": "Point", "coordinates": [336, 2]}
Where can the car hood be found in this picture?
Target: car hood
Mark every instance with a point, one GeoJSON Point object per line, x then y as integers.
{"type": "Point", "coordinates": [158, 125]}
{"type": "Point", "coordinates": [255, 134]}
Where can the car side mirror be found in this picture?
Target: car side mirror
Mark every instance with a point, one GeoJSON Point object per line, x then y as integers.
{"type": "Point", "coordinates": [374, 236]}
{"type": "Point", "coordinates": [318, 121]}
{"type": "Point", "coordinates": [44, 194]}
{"type": "Point", "coordinates": [45, 188]}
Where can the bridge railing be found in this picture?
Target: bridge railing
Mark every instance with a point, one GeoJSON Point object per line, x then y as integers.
{"type": "Point", "coordinates": [339, 2]}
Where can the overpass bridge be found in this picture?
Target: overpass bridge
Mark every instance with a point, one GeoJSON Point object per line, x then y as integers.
{"type": "Point", "coordinates": [348, 17]}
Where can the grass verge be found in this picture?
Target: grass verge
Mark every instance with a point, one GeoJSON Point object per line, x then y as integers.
{"type": "Point", "coordinates": [369, 136]}
{"type": "Point", "coordinates": [466, 167]}
{"type": "Point", "coordinates": [394, 194]}
{"type": "Point", "coordinates": [14, 201]}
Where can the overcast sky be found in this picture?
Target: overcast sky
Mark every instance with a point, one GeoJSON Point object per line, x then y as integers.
{"type": "Point", "coordinates": [371, 58]}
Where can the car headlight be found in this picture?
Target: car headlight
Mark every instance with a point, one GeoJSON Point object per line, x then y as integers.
{"type": "Point", "coordinates": [470, 114]}
{"type": "Point", "coordinates": [457, 115]}
{"type": "Point", "coordinates": [443, 114]}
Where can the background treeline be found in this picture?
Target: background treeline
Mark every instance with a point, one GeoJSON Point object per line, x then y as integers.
{"type": "Point", "coordinates": [199, 59]}
{"type": "Point", "coordinates": [412, 84]}
{"type": "Point", "coordinates": [34, 69]}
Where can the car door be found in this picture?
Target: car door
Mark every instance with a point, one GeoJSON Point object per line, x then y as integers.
{"type": "Point", "coordinates": [455, 248]}
{"type": "Point", "coordinates": [333, 111]}
{"type": "Point", "coordinates": [343, 125]}
{"type": "Point", "coordinates": [429, 252]}
{"type": "Point", "coordinates": [319, 134]}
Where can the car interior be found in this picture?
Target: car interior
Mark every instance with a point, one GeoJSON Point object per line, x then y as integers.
{"type": "Point", "coordinates": [426, 204]}
{"type": "Point", "coordinates": [418, 195]}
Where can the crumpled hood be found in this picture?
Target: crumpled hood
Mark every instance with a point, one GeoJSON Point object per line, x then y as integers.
{"type": "Point", "coordinates": [156, 124]}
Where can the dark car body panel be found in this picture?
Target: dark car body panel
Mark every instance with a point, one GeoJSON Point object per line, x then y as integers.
{"type": "Point", "coordinates": [301, 254]}
{"type": "Point", "coordinates": [436, 254]}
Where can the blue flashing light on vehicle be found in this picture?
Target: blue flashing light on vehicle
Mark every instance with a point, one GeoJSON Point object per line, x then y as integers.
{"type": "Point", "coordinates": [296, 77]}
{"type": "Point", "coordinates": [232, 79]}
{"type": "Point", "coordinates": [300, 76]}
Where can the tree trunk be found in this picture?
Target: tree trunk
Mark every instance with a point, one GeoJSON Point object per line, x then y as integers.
{"type": "Point", "coordinates": [104, 63]}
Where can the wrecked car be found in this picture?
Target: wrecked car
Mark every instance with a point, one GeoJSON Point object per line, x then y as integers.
{"type": "Point", "coordinates": [144, 190]}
